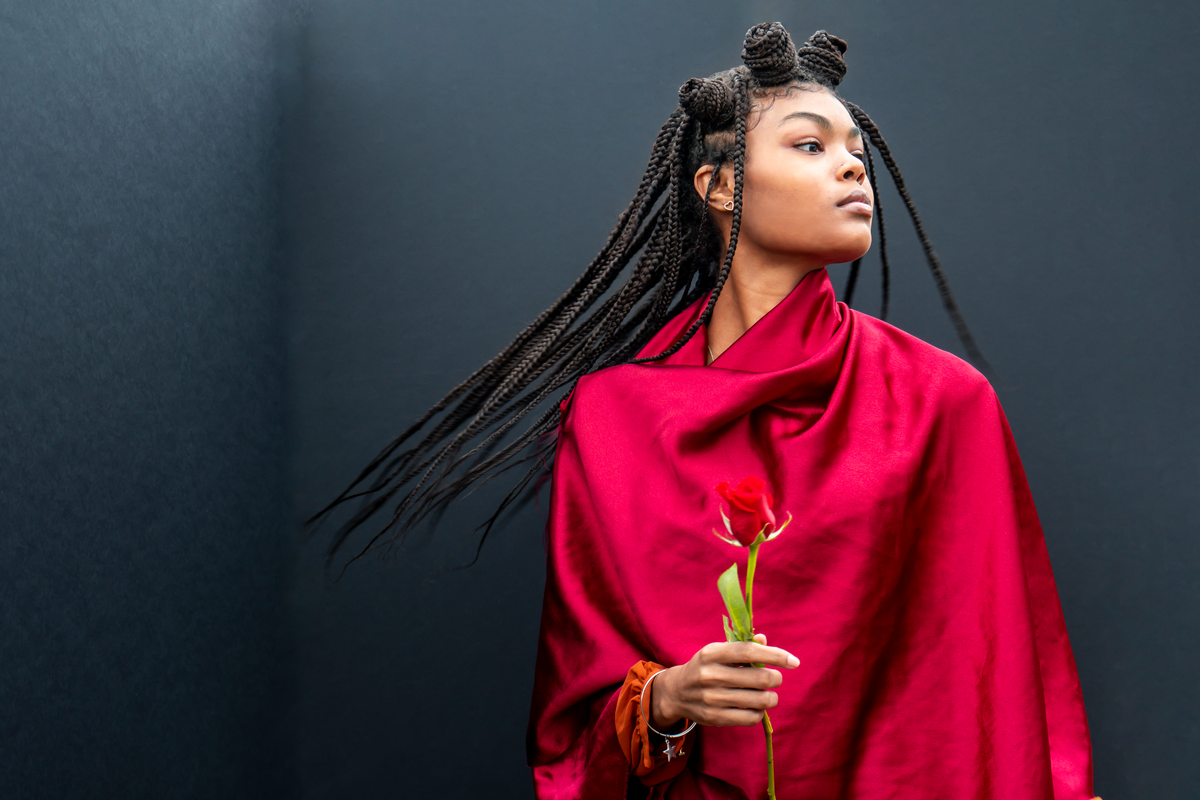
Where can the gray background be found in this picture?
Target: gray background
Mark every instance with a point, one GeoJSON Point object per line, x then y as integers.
{"type": "Point", "coordinates": [145, 544]}
{"type": "Point", "coordinates": [243, 243]}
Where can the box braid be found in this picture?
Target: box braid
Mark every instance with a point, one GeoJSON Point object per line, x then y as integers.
{"type": "Point", "coordinates": [885, 268]}
{"type": "Point", "coordinates": [871, 130]}
{"type": "Point", "coordinates": [667, 236]}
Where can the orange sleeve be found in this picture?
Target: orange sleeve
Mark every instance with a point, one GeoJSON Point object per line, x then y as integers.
{"type": "Point", "coordinates": [643, 749]}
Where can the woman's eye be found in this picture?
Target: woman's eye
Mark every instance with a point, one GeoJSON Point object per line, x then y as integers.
{"type": "Point", "coordinates": [858, 154]}
{"type": "Point", "coordinates": [810, 147]}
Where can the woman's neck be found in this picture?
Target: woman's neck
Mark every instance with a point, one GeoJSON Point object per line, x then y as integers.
{"type": "Point", "coordinates": [753, 288]}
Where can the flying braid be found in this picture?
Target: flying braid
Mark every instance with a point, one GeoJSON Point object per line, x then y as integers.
{"type": "Point", "coordinates": [960, 324]}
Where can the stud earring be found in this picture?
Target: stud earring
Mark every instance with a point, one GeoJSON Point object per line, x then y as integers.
{"type": "Point", "coordinates": [728, 206]}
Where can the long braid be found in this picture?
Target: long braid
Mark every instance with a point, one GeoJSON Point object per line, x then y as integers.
{"type": "Point", "coordinates": [935, 266]}
{"type": "Point", "coordinates": [668, 288]}
{"type": "Point", "coordinates": [739, 168]}
{"type": "Point", "coordinates": [852, 277]}
{"type": "Point", "coordinates": [851, 282]}
{"type": "Point", "coordinates": [885, 267]}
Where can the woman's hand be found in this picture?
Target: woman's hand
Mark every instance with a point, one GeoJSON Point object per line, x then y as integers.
{"type": "Point", "coordinates": [716, 688]}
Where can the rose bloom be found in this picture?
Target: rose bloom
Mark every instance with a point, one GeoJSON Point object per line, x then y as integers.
{"type": "Point", "coordinates": [749, 510]}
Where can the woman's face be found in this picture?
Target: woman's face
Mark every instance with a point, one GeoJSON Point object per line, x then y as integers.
{"type": "Point", "coordinates": [805, 193]}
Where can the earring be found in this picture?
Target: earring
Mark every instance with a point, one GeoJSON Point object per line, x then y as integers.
{"type": "Point", "coordinates": [728, 206]}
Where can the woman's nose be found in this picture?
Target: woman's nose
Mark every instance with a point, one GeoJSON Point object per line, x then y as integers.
{"type": "Point", "coordinates": [854, 170]}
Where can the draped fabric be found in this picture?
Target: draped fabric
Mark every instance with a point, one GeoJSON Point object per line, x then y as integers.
{"type": "Point", "coordinates": [913, 584]}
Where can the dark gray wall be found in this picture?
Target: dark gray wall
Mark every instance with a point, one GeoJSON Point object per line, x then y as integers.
{"type": "Point", "coordinates": [459, 163]}
{"type": "Point", "coordinates": [144, 644]}
{"type": "Point", "coordinates": [445, 172]}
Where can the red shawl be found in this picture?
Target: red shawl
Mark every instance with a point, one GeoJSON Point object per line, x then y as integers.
{"type": "Point", "coordinates": [913, 584]}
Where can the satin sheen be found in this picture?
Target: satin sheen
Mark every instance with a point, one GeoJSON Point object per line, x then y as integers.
{"type": "Point", "coordinates": [913, 585]}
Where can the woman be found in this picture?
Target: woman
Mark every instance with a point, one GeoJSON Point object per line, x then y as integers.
{"type": "Point", "coordinates": [910, 603]}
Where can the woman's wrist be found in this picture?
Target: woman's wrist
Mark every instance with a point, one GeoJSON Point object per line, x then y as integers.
{"type": "Point", "coordinates": [662, 709]}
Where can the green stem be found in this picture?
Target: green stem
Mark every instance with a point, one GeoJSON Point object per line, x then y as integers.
{"type": "Point", "coordinates": [770, 758]}
{"type": "Point", "coordinates": [766, 719]}
{"type": "Point", "coordinates": [750, 581]}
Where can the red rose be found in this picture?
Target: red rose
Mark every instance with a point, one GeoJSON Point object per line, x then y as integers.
{"type": "Point", "coordinates": [749, 510]}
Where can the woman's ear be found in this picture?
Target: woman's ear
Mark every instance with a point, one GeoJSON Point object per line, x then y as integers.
{"type": "Point", "coordinates": [722, 190]}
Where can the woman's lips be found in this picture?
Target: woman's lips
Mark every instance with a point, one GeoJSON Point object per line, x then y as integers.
{"type": "Point", "coordinates": [857, 202]}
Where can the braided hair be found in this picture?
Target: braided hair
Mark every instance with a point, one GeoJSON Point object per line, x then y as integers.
{"type": "Point", "coordinates": [474, 433]}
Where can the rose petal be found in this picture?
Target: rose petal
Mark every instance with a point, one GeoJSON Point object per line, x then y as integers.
{"type": "Point", "coordinates": [745, 528]}
{"type": "Point", "coordinates": [745, 503]}
{"type": "Point", "coordinates": [751, 484]}
{"type": "Point", "coordinates": [764, 512]}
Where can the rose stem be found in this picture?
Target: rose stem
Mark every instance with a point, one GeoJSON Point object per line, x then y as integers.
{"type": "Point", "coordinates": [750, 582]}
{"type": "Point", "coordinates": [770, 758]}
{"type": "Point", "coordinates": [766, 719]}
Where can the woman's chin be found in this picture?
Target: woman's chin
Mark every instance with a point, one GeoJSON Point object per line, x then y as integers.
{"type": "Point", "coordinates": [845, 249]}
{"type": "Point", "coordinates": [848, 254]}
{"type": "Point", "coordinates": [841, 250]}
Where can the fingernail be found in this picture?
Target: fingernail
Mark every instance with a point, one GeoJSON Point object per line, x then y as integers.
{"type": "Point", "coordinates": [793, 661]}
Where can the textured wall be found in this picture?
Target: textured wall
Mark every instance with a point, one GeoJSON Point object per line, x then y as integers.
{"type": "Point", "coordinates": [144, 645]}
{"type": "Point", "coordinates": [461, 163]}
{"type": "Point", "coordinates": [445, 172]}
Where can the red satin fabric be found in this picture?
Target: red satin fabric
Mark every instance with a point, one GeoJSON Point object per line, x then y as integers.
{"type": "Point", "coordinates": [913, 584]}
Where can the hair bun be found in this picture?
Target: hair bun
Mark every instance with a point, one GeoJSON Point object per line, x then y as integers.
{"type": "Point", "coordinates": [707, 99]}
{"type": "Point", "coordinates": [822, 55]}
{"type": "Point", "coordinates": [769, 54]}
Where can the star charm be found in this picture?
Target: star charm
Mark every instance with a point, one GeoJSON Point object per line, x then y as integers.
{"type": "Point", "coordinates": [670, 750]}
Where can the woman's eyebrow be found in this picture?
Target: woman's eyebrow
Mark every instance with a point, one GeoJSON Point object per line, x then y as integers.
{"type": "Point", "coordinates": [821, 121]}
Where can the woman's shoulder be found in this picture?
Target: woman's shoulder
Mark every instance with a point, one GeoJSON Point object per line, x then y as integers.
{"type": "Point", "coordinates": [595, 391]}
{"type": "Point", "coordinates": [941, 375]}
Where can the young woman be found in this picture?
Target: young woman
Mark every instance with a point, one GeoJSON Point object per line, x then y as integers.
{"type": "Point", "coordinates": [917, 646]}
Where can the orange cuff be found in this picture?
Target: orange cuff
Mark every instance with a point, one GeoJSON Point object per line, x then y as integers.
{"type": "Point", "coordinates": [645, 751]}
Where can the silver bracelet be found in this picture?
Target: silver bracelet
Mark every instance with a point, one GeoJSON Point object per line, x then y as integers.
{"type": "Point", "coordinates": [642, 711]}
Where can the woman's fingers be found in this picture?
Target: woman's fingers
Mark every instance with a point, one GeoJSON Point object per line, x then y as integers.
{"type": "Point", "coordinates": [722, 717]}
{"type": "Point", "coordinates": [748, 653]}
{"type": "Point", "coordinates": [728, 710]}
{"type": "Point", "coordinates": [737, 706]}
{"type": "Point", "coordinates": [740, 698]}
{"type": "Point", "coordinates": [724, 676]}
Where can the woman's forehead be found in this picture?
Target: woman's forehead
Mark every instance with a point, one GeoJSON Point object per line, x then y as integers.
{"type": "Point", "coordinates": [800, 102]}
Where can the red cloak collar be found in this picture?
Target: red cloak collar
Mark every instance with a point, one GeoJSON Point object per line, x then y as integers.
{"type": "Point", "coordinates": [795, 330]}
